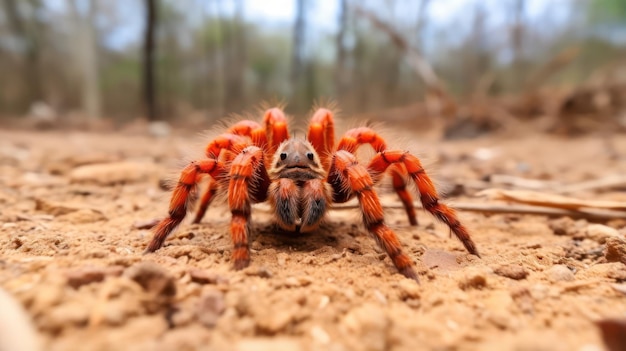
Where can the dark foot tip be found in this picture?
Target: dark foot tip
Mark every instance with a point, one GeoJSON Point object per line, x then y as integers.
{"type": "Point", "coordinates": [152, 247]}
{"type": "Point", "coordinates": [409, 273]}
{"type": "Point", "coordinates": [241, 264]}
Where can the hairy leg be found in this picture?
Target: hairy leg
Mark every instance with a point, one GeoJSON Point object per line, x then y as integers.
{"type": "Point", "coordinates": [206, 199]}
{"type": "Point", "coordinates": [276, 129]}
{"type": "Point", "coordinates": [179, 201]}
{"type": "Point", "coordinates": [246, 169]}
{"type": "Point", "coordinates": [428, 193]}
{"type": "Point", "coordinates": [354, 176]}
{"type": "Point", "coordinates": [227, 142]}
{"type": "Point", "coordinates": [251, 129]}
{"type": "Point", "coordinates": [356, 137]}
{"type": "Point", "coordinates": [322, 134]}
{"type": "Point", "coordinates": [398, 178]}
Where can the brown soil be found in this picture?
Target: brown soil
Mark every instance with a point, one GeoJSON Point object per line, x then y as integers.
{"type": "Point", "coordinates": [70, 254]}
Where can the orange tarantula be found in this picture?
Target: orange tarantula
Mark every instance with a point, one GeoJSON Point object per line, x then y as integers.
{"type": "Point", "coordinates": [301, 179]}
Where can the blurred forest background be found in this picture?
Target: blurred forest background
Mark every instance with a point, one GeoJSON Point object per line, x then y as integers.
{"type": "Point", "coordinates": [477, 64]}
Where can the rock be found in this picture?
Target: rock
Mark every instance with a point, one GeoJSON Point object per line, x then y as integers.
{"type": "Point", "coordinates": [203, 277]}
{"type": "Point", "coordinates": [600, 233]}
{"type": "Point", "coordinates": [473, 279]}
{"type": "Point", "coordinates": [154, 280]}
{"type": "Point", "coordinates": [268, 344]}
{"type": "Point", "coordinates": [512, 271]}
{"type": "Point", "coordinates": [277, 321]}
{"type": "Point", "coordinates": [183, 317]}
{"type": "Point", "coordinates": [560, 273]}
{"type": "Point", "coordinates": [282, 258]}
{"type": "Point", "coordinates": [83, 216]}
{"type": "Point", "coordinates": [615, 250]}
{"type": "Point", "coordinates": [88, 275]}
{"type": "Point", "coordinates": [619, 288]}
{"type": "Point", "coordinates": [563, 226]}
{"type": "Point", "coordinates": [262, 272]}
{"type": "Point", "coordinates": [16, 329]}
{"type": "Point", "coordinates": [60, 208]}
{"type": "Point", "coordinates": [295, 282]}
{"type": "Point", "coordinates": [71, 313]}
{"type": "Point", "coordinates": [409, 289]}
{"type": "Point", "coordinates": [611, 270]}
{"type": "Point", "coordinates": [114, 173]}
{"type": "Point", "coordinates": [523, 299]}
{"type": "Point", "coordinates": [366, 328]}
{"type": "Point", "coordinates": [498, 304]}
{"type": "Point", "coordinates": [210, 307]}
{"type": "Point", "coordinates": [319, 335]}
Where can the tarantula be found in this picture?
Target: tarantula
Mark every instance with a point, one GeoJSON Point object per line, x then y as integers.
{"type": "Point", "coordinates": [301, 179]}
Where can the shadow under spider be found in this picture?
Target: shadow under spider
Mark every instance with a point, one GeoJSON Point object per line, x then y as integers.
{"type": "Point", "coordinates": [327, 235]}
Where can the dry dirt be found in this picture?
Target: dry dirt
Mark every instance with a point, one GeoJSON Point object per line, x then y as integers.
{"type": "Point", "coordinates": [71, 256]}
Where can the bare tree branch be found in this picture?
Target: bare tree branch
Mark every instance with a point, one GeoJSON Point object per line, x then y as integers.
{"type": "Point", "coordinates": [417, 62]}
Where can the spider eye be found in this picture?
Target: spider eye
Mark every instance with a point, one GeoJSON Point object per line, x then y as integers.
{"type": "Point", "coordinates": [283, 156]}
{"type": "Point", "coordinates": [309, 155]}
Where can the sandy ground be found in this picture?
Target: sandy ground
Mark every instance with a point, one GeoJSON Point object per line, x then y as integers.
{"type": "Point", "coordinates": [71, 256]}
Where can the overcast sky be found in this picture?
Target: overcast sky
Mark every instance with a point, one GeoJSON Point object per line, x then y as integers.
{"type": "Point", "coordinates": [322, 14]}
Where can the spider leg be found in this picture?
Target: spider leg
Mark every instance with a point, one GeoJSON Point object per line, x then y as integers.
{"type": "Point", "coordinates": [322, 134]}
{"type": "Point", "coordinates": [245, 128]}
{"type": "Point", "coordinates": [247, 176]}
{"type": "Point", "coordinates": [206, 199]}
{"type": "Point", "coordinates": [356, 137]}
{"type": "Point", "coordinates": [398, 178]}
{"type": "Point", "coordinates": [250, 129]}
{"type": "Point", "coordinates": [349, 174]}
{"type": "Point", "coordinates": [224, 147]}
{"type": "Point", "coordinates": [180, 198]}
{"type": "Point", "coordinates": [275, 129]}
{"type": "Point", "coordinates": [227, 142]}
{"type": "Point", "coordinates": [428, 193]}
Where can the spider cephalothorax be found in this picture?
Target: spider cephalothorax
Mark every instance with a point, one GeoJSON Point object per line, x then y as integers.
{"type": "Point", "coordinates": [255, 162]}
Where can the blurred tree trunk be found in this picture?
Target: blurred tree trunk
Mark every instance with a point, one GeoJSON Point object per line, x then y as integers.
{"type": "Point", "coordinates": [235, 93]}
{"type": "Point", "coordinates": [149, 72]}
{"type": "Point", "coordinates": [421, 24]}
{"type": "Point", "coordinates": [219, 63]}
{"type": "Point", "coordinates": [31, 48]}
{"type": "Point", "coordinates": [341, 74]}
{"type": "Point", "coordinates": [297, 59]}
{"type": "Point", "coordinates": [517, 41]}
{"type": "Point", "coordinates": [87, 56]}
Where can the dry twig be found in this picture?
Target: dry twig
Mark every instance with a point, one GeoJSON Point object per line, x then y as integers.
{"type": "Point", "coordinates": [494, 208]}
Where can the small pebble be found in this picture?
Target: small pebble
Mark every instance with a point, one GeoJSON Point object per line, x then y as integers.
{"type": "Point", "coordinates": [615, 250]}
{"type": "Point", "coordinates": [560, 273]}
{"type": "Point", "coordinates": [83, 276]}
{"type": "Point", "coordinates": [203, 277]}
{"type": "Point", "coordinates": [512, 271]}
{"type": "Point", "coordinates": [409, 289]}
{"type": "Point", "coordinates": [601, 233]}
{"type": "Point", "coordinates": [473, 279]}
{"type": "Point", "coordinates": [210, 308]}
